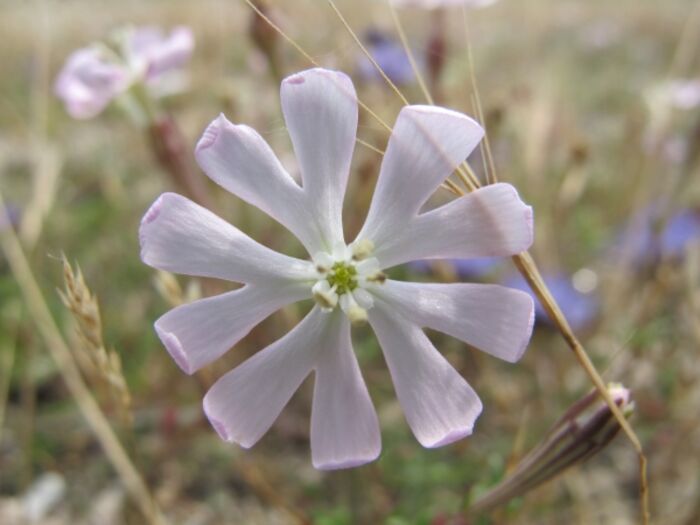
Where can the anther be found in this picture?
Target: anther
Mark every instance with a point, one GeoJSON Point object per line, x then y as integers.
{"type": "Point", "coordinates": [378, 277]}
{"type": "Point", "coordinates": [324, 295]}
{"type": "Point", "coordinates": [357, 315]}
{"type": "Point", "coordinates": [362, 249]}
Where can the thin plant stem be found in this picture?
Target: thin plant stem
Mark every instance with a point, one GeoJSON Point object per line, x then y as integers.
{"type": "Point", "coordinates": [491, 170]}
{"type": "Point", "coordinates": [62, 356]}
{"type": "Point", "coordinates": [369, 146]}
{"type": "Point", "coordinates": [527, 267]}
{"type": "Point", "coordinates": [8, 362]}
{"type": "Point", "coordinates": [367, 53]}
{"type": "Point", "coordinates": [409, 53]}
{"type": "Point", "coordinates": [687, 44]}
{"type": "Point", "coordinates": [311, 60]}
{"type": "Point", "coordinates": [490, 178]}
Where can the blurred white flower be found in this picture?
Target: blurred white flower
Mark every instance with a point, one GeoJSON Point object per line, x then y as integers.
{"type": "Point", "coordinates": [662, 100]}
{"type": "Point", "coordinates": [94, 76]}
{"type": "Point", "coordinates": [345, 280]}
{"type": "Point", "coordinates": [684, 94]}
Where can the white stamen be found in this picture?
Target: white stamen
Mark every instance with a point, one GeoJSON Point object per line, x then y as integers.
{"type": "Point", "coordinates": [362, 249]}
{"type": "Point", "coordinates": [323, 262]}
{"type": "Point", "coordinates": [355, 312]}
{"type": "Point", "coordinates": [349, 275]}
{"type": "Point", "coordinates": [324, 295]}
{"type": "Point", "coordinates": [357, 315]}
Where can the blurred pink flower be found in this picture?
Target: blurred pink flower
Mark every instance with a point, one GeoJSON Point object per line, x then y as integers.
{"type": "Point", "coordinates": [94, 76]}
{"type": "Point", "coordinates": [89, 81]}
{"type": "Point", "coordinates": [684, 94]}
{"type": "Point", "coordinates": [345, 280]}
{"type": "Point", "coordinates": [159, 58]}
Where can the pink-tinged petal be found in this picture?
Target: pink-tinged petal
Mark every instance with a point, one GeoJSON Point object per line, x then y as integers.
{"type": "Point", "coordinates": [196, 334]}
{"type": "Point", "coordinates": [181, 236]}
{"type": "Point", "coordinates": [172, 52]}
{"type": "Point", "coordinates": [492, 318]}
{"type": "Point", "coordinates": [320, 110]}
{"type": "Point", "coordinates": [491, 221]}
{"type": "Point", "coordinates": [238, 159]}
{"type": "Point", "coordinates": [439, 404]}
{"type": "Point", "coordinates": [152, 52]}
{"type": "Point", "coordinates": [140, 39]}
{"type": "Point", "coordinates": [88, 83]}
{"type": "Point", "coordinates": [244, 403]}
{"type": "Point", "coordinates": [344, 426]}
{"type": "Point", "coordinates": [426, 146]}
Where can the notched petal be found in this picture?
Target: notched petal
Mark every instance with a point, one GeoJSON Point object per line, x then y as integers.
{"type": "Point", "coordinates": [211, 134]}
{"type": "Point", "coordinates": [174, 348]}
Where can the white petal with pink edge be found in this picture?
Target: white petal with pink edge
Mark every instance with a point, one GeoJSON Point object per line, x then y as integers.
{"type": "Point", "coordinates": [425, 147]}
{"type": "Point", "coordinates": [438, 403]}
{"type": "Point", "coordinates": [491, 221]}
{"type": "Point", "coordinates": [197, 333]}
{"type": "Point", "coordinates": [237, 158]}
{"type": "Point", "coordinates": [344, 426]}
{"type": "Point", "coordinates": [178, 235]}
{"type": "Point", "coordinates": [320, 110]}
{"type": "Point", "coordinates": [492, 318]}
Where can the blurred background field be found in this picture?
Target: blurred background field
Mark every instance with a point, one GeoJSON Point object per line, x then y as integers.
{"type": "Point", "coordinates": [592, 114]}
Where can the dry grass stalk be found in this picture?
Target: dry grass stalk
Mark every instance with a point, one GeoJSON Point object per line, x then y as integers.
{"type": "Point", "coordinates": [63, 357]}
{"type": "Point", "coordinates": [102, 367]}
{"type": "Point", "coordinates": [168, 288]}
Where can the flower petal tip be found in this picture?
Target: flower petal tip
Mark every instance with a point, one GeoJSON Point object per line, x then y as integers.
{"type": "Point", "coordinates": [450, 437]}
{"type": "Point", "coordinates": [425, 109]}
{"type": "Point", "coordinates": [148, 217]}
{"type": "Point", "coordinates": [295, 79]}
{"type": "Point", "coordinates": [211, 134]}
{"type": "Point", "coordinates": [514, 358]}
{"type": "Point", "coordinates": [530, 221]}
{"type": "Point", "coordinates": [219, 427]}
{"type": "Point", "coordinates": [339, 464]}
{"type": "Point", "coordinates": [530, 325]}
{"type": "Point", "coordinates": [174, 347]}
{"type": "Point", "coordinates": [301, 77]}
{"type": "Point", "coordinates": [152, 212]}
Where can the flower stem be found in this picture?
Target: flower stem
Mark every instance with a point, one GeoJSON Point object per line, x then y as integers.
{"type": "Point", "coordinates": [584, 429]}
{"type": "Point", "coordinates": [527, 267]}
{"type": "Point", "coordinates": [170, 149]}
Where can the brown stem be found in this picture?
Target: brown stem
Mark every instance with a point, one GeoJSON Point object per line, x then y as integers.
{"type": "Point", "coordinates": [171, 150]}
{"type": "Point", "coordinates": [436, 53]}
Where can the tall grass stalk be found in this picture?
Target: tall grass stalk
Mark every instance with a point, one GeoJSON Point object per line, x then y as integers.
{"type": "Point", "coordinates": [62, 356]}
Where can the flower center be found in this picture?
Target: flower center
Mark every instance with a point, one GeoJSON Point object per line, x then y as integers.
{"type": "Point", "coordinates": [342, 278]}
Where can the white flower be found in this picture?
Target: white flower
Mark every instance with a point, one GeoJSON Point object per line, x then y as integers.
{"type": "Point", "coordinates": [346, 280]}
{"type": "Point", "coordinates": [94, 76]}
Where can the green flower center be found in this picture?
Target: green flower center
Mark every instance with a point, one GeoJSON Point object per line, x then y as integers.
{"type": "Point", "coordinates": [343, 276]}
